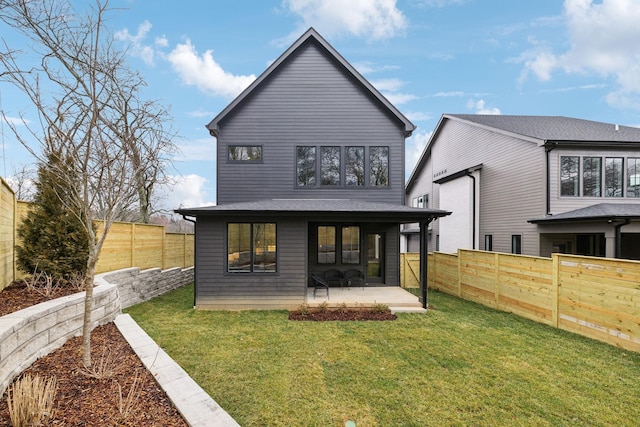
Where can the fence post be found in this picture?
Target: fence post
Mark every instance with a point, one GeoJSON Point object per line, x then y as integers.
{"type": "Point", "coordinates": [133, 245]}
{"type": "Point", "coordinates": [496, 286]}
{"type": "Point", "coordinates": [459, 274]}
{"type": "Point", "coordinates": [555, 291]}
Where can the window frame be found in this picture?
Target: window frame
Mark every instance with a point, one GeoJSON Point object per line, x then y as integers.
{"type": "Point", "coordinates": [372, 175]}
{"type": "Point", "coordinates": [230, 147]}
{"type": "Point", "coordinates": [326, 242]}
{"type": "Point", "coordinates": [516, 244]}
{"type": "Point", "coordinates": [253, 255]}
{"type": "Point", "coordinates": [342, 245]}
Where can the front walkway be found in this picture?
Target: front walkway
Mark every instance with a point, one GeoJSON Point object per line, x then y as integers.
{"type": "Point", "coordinates": [398, 299]}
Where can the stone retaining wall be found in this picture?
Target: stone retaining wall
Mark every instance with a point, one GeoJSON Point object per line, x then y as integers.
{"type": "Point", "coordinates": [33, 332]}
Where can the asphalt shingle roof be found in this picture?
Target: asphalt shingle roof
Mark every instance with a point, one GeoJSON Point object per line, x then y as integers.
{"type": "Point", "coordinates": [555, 128]}
{"type": "Point", "coordinates": [599, 211]}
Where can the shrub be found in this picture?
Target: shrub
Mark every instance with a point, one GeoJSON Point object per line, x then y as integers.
{"type": "Point", "coordinates": [380, 308]}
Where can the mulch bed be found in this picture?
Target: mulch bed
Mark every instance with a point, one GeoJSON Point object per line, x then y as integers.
{"type": "Point", "coordinates": [316, 315]}
{"type": "Point", "coordinates": [85, 401]}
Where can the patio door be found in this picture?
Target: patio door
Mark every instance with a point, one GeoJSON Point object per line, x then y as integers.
{"type": "Point", "coordinates": [375, 258]}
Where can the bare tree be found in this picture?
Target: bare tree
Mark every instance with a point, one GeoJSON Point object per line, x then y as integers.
{"type": "Point", "coordinates": [77, 89]}
{"type": "Point", "coordinates": [22, 182]}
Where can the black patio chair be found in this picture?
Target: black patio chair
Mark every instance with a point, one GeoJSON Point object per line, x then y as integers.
{"type": "Point", "coordinates": [321, 283]}
{"type": "Point", "coordinates": [334, 278]}
{"type": "Point", "coordinates": [354, 277]}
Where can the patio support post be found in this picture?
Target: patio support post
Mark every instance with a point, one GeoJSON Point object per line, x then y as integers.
{"type": "Point", "coordinates": [424, 226]}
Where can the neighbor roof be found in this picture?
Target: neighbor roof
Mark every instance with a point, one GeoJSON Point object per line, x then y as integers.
{"type": "Point", "coordinates": [311, 35]}
{"type": "Point", "coordinates": [600, 211]}
{"type": "Point", "coordinates": [319, 207]}
{"type": "Point", "coordinates": [539, 129]}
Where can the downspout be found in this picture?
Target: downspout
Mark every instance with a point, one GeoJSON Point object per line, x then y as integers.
{"type": "Point", "coordinates": [195, 256]}
{"type": "Point", "coordinates": [618, 237]}
{"type": "Point", "coordinates": [547, 149]}
{"type": "Point", "coordinates": [473, 226]}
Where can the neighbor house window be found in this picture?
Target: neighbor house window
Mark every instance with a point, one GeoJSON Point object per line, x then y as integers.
{"type": "Point", "coordinates": [420, 202]}
{"type": "Point", "coordinates": [351, 244]}
{"type": "Point", "coordinates": [354, 166]}
{"type": "Point", "coordinates": [251, 248]}
{"type": "Point", "coordinates": [516, 244]}
{"type": "Point", "coordinates": [379, 166]}
{"type": "Point", "coordinates": [326, 244]}
{"type": "Point", "coordinates": [488, 242]}
{"type": "Point", "coordinates": [305, 166]}
{"type": "Point", "coordinates": [330, 165]}
{"type": "Point", "coordinates": [591, 176]}
{"type": "Point", "coordinates": [247, 153]}
{"type": "Point", "coordinates": [613, 176]}
{"type": "Point", "coordinates": [569, 175]}
{"type": "Point", "coordinates": [633, 177]}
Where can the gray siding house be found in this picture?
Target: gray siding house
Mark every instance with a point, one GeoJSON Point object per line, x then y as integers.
{"type": "Point", "coordinates": [530, 184]}
{"type": "Point", "coordinates": [310, 178]}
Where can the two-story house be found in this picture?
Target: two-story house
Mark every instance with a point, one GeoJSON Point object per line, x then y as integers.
{"type": "Point", "coordinates": [310, 177]}
{"type": "Point", "coordinates": [530, 184]}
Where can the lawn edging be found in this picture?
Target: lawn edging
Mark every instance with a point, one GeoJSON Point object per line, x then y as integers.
{"type": "Point", "coordinates": [33, 332]}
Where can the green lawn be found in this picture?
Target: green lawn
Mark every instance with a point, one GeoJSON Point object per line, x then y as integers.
{"type": "Point", "coordinates": [460, 364]}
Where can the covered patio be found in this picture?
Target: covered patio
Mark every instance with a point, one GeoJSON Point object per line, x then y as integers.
{"type": "Point", "coordinates": [398, 299]}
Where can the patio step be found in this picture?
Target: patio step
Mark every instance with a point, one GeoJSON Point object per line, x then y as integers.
{"type": "Point", "coordinates": [406, 309]}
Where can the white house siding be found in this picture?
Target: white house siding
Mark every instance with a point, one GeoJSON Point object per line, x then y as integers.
{"type": "Point", "coordinates": [308, 100]}
{"type": "Point", "coordinates": [512, 178]}
{"type": "Point", "coordinates": [456, 230]}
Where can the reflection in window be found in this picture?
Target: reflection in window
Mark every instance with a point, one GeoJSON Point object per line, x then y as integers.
{"type": "Point", "coordinates": [613, 177]}
{"type": "Point", "coordinates": [351, 245]}
{"type": "Point", "coordinates": [569, 175]}
{"type": "Point", "coordinates": [379, 166]}
{"type": "Point", "coordinates": [633, 177]}
{"type": "Point", "coordinates": [591, 176]}
{"type": "Point", "coordinates": [354, 166]}
{"type": "Point", "coordinates": [251, 248]}
{"type": "Point", "coordinates": [245, 153]}
{"type": "Point", "coordinates": [330, 165]}
{"type": "Point", "coordinates": [306, 166]}
{"type": "Point", "coordinates": [326, 244]}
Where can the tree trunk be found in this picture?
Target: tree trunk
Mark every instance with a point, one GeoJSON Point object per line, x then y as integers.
{"type": "Point", "coordinates": [87, 325]}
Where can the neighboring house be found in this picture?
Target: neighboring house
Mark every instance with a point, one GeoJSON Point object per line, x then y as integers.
{"type": "Point", "coordinates": [530, 184]}
{"type": "Point", "coordinates": [310, 177]}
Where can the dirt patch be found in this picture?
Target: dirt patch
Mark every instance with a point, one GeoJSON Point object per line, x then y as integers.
{"type": "Point", "coordinates": [85, 401]}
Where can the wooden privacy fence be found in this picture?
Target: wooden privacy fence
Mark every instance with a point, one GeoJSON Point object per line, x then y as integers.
{"type": "Point", "coordinates": [595, 297]}
{"type": "Point", "coordinates": [127, 245]}
{"type": "Point", "coordinates": [7, 233]}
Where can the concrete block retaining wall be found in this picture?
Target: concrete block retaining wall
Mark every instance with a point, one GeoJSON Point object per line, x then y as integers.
{"type": "Point", "coordinates": [33, 332]}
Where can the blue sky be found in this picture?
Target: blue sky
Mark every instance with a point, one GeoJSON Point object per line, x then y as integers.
{"type": "Point", "coordinates": [577, 58]}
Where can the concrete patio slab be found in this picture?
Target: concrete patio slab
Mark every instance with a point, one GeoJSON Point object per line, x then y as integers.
{"type": "Point", "coordinates": [393, 296]}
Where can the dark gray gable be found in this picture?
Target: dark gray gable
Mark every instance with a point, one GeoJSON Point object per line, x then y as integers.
{"type": "Point", "coordinates": [311, 36]}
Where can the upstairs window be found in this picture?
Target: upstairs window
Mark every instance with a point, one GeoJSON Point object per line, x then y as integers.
{"type": "Point", "coordinates": [613, 176]}
{"type": "Point", "coordinates": [305, 166]}
{"type": "Point", "coordinates": [592, 176]}
{"type": "Point", "coordinates": [420, 202]}
{"type": "Point", "coordinates": [569, 175]}
{"type": "Point", "coordinates": [330, 165]}
{"type": "Point", "coordinates": [354, 166]}
{"type": "Point", "coordinates": [245, 153]}
{"type": "Point", "coordinates": [379, 166]}
{"type": "Point", "coordinates": [633, 177]}
{"type": "Point", "coordinates": [251, 248]}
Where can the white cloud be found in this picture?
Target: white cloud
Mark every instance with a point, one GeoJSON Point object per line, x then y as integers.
{"type": "Point", "coordinates": [417, 116]}
{"type": "Point", "coordinates": [197, 149]}
{"type": "Point", "coordinates": [603, 39]}
{"type": "Point", "coordinates": [414, 147]}
{"type": "Point", "coordinates": [481, 108]}
{"type": "Point", "coordinates": [368, 19]}
{"type": "Point", "coordinates": [441, 3]}
{"type": "Point", "coordinates": [390, 88]}
{"type": "Point", "coordinates": [136, 42]}
{"type": "Point", "coordinates": [203, 72]}
{"type": "Point", "coordinates": [186, 191]}
{"type": "Point", "coordinates": [15, 121]}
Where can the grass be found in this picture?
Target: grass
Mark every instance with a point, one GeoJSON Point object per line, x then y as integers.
{"type": "Point", "coordinates": [460, 364]}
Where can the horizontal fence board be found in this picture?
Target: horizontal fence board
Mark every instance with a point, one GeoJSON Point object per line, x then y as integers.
{"type": "Point", "coordinates": [595, 297]}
